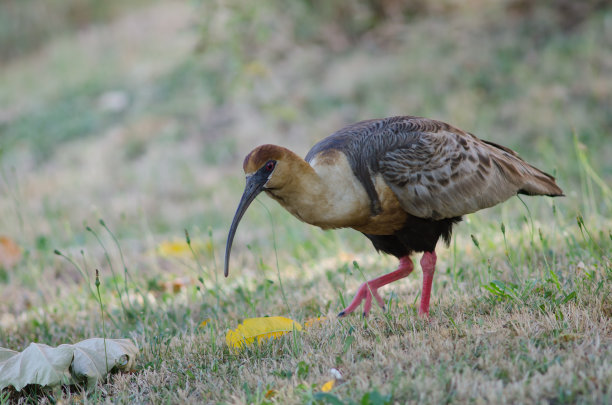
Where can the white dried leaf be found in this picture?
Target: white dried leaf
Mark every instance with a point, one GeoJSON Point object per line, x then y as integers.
{"type": "Point", "coordinates": [335, 373]}
{"type": "Point", "coordinates": [92, 362]}
{"type": "Point", "coordinates": [37, 364]}
{"type": "Point", "coordinates": [5, 354]}
{"type": "Point", "coordinates": [66, 364]}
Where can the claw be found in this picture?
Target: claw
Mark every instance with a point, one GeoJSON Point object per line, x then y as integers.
{"type": "Point", "coordinates": [366, 291]}
{"type": "Point", "coordinates": [370, 289]}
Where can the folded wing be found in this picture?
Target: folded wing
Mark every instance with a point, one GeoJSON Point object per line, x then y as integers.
{"type": "Point", "coordinates": [445, 173]}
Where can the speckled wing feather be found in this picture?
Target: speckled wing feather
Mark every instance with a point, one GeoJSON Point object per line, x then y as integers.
{"type": "Point", "coordinates": [446, 173]}
{"type": "Point", "coordinates": [437, 171]}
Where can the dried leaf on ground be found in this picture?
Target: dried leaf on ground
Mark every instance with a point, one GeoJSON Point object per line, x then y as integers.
{"type": "Point", "coordinates": [37, 364]}
{"type": "Point", "coordinates": [49, 366]}
{"type": "Point", "coordinates": [5, 354]}
{"type": "Point", "coordinates": [10, 252]}
{"type": "Point", "coordinates": [309, 323]}
{"type": "Point", "coordinates": [89, 358]}
{"type": "Point", "coordinates": [328, 386]}
{"type": "Point", "coordinates": [173, 248]}
{"type": "Point", "coordinates": [258, 329]}
{"type": "Point", "coordinates": [180, 248]}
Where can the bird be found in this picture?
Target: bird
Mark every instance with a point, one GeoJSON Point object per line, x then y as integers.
{"type": "Point", "coordinates": [402, 181]}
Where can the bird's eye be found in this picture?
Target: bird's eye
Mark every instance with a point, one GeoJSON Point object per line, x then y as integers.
{"type": "Point", "coordinates": [270, 165]}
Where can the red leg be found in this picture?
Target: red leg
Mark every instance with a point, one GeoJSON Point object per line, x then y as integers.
{"type": "Point", "coordinates": [369, 289]}
{"type": "Point", "coordinates": [428, 264]}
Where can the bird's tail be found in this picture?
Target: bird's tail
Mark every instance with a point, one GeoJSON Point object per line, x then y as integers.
{"type": "Point", "coordinates": [539, 183]}
{"type": "Point", "coordinates": [534, 181]}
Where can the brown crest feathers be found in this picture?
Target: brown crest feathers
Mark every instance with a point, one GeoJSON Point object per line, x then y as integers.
{"type": "Point", "coordinates": [261, 154]}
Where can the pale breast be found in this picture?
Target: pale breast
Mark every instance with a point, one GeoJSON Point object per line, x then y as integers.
{"type": "Point", "coordinates": [347, 203]}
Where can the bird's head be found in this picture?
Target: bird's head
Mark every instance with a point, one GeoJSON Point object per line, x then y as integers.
{"type": "Point", "coordinates": [267, 167]}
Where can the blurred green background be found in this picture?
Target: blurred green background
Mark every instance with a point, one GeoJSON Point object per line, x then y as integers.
{"type": "Point", "coordinates": [530, 73]}
{"type": "Point", "coordinates": [140, 112]}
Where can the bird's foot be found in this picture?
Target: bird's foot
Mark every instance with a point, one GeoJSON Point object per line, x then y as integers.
{"type": "Point", "coordinates": [366, 291]}
{"type": "Point", "coordinates": [424, 315]}
{"type": "Point", "coordinates": [370, 289]}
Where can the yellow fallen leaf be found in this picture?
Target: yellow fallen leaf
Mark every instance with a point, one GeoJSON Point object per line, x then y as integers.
{"type": "Point", "coordinates": [328, 386]}
{"type": "Point", "coordinates": [180, 248]}
{"type": "Point", "coordinates": [173, 248]}
{"type": "Point", "coordinates": [313, 322]}
{"type": "Point", "coordinates": [258, 329]}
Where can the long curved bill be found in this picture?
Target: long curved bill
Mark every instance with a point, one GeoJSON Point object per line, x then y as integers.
{"type": "Point", "coordinates": [254, 186]}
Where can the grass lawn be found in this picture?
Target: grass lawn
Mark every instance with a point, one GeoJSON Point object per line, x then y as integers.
{"type": "Point", "coordinates": [118, 136]}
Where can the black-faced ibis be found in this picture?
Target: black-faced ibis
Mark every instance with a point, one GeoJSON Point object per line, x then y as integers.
{"type": "Point", "coordinates": [401, 181]}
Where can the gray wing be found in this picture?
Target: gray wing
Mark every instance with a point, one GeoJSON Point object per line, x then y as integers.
{"type": "Point", "coordinates": [436, 171]}
{"type": "Point", "coordinates": [448, 173]}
